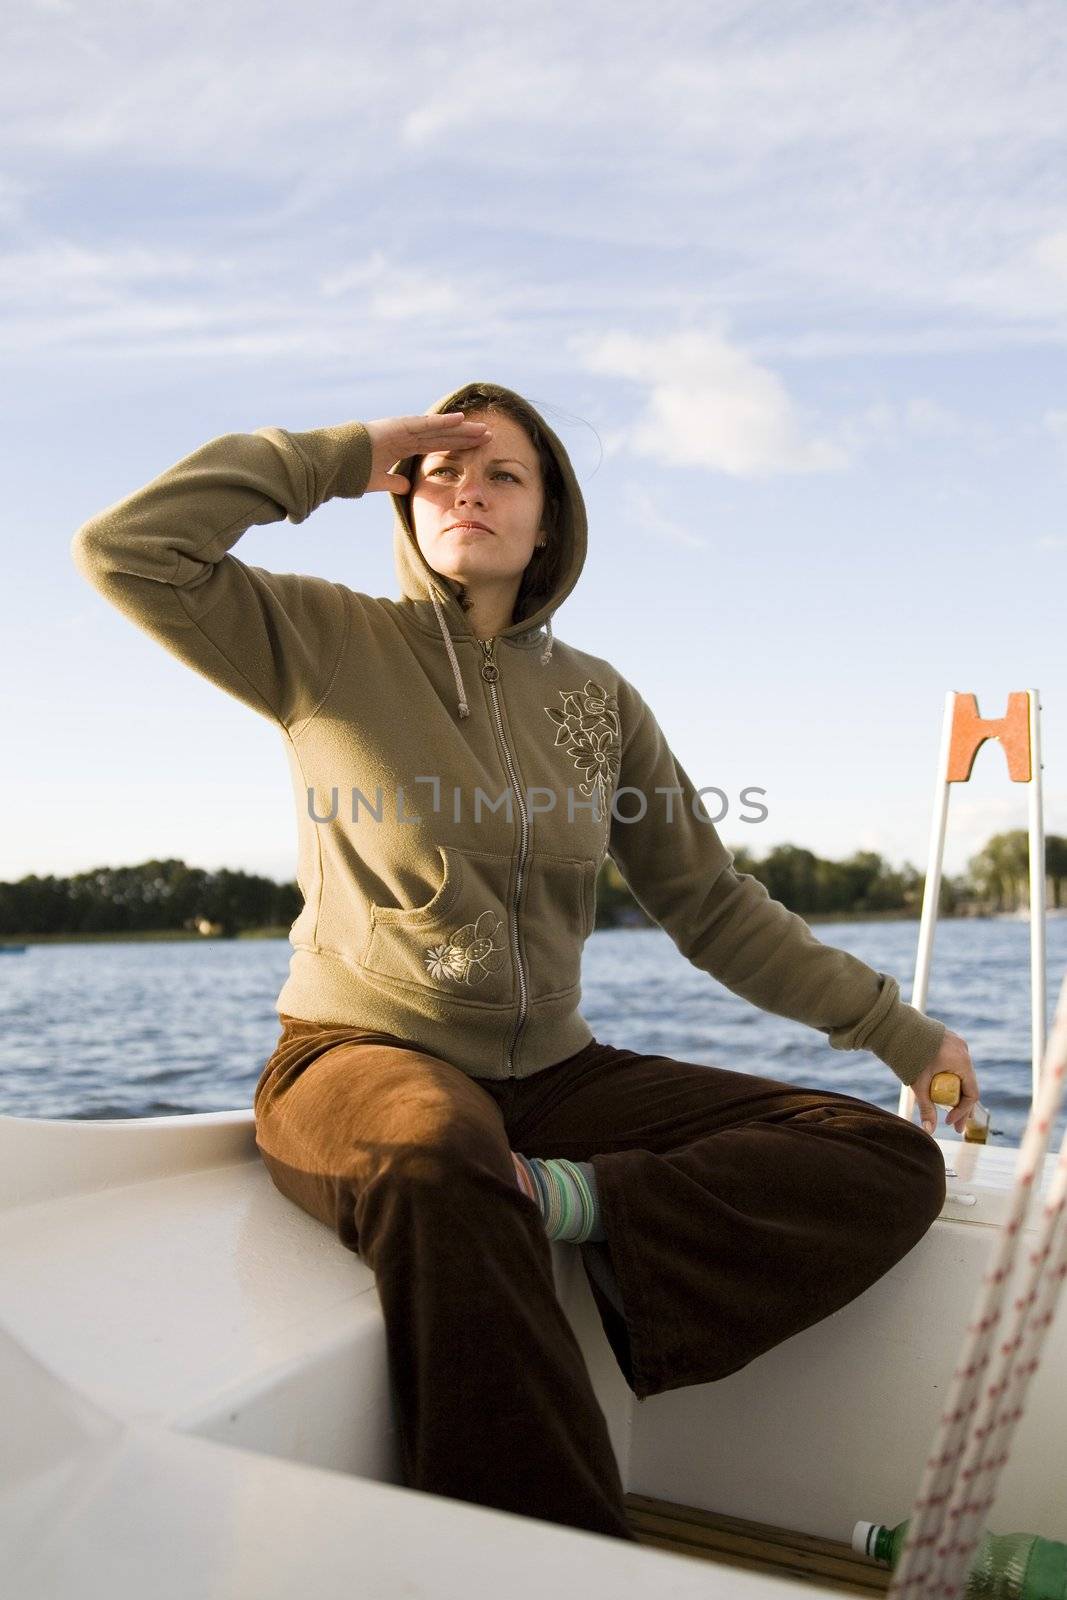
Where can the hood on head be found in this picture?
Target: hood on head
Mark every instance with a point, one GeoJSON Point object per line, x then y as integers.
{"type": "Point", "coordinates": [420, 584]}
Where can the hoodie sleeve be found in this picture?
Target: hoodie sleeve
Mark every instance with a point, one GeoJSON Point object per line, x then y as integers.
{"type": "Point", "coordinates": [726, 923]}
{"type": "Point", "coordinates": [161, 556]}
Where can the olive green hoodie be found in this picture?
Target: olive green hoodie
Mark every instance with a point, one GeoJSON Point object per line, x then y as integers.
{"type": "Point", "coordinates": [455, 798]}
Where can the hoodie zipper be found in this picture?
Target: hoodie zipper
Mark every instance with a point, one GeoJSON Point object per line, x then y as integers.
{"type": "Point", "coordinates": [491, 672]}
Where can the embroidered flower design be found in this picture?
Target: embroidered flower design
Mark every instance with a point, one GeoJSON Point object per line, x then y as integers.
{"type": "Point", "coordinates": [470, 954]}
{"type": "Point", "coordinates": [588, 727]}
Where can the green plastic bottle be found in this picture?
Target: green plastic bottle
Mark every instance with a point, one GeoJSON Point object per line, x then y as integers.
{"type": "Point", "coordinates": [1005, 1566]}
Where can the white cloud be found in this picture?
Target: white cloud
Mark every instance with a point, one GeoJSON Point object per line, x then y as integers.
{"type": "Point", "coordinates": [929, 419]}
{"type": "Point", "coordinates": [845, 183]}
{"type": "Point", "coordinates": [381, 289]}
{"type": "Point", "coordinates": [707, 403]}
{"type": "Point", "coordinates": [972, 823]}
{"type": "Point", "coordinates": [885, 424]}
{"type": "Point", "coordinates": [646, 514]}
{"type": "Point", "coordinates": [1056, 423]}
{"type": "Point", "coordinates": [499, 84]}
{"type": "Point", "coordinates": [358, 276]}
{"type": "Point", "coordinates": [133, 301]}
{"type": "Point", "coordinates": [15, 197]}
{"type": "Point", "coordinates": [75, 274]}
{"type": "Point", "coordinates": [1050, 253]}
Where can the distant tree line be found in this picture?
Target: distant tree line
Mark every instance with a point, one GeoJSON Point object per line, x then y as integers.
{"type": "Point", "coordinates": [1000, 872]}
{"type": "Point", "coordinates": [152, 897]}
{"type": "Point", "coordinates": [159, 896]}
{"type": "Point", "coordinates": [996, 879]}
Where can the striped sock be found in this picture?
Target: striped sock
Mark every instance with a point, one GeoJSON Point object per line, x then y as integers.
{"type": "Point", "coordinates": [566, 1194]}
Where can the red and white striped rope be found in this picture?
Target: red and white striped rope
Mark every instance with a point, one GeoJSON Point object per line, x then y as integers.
{"type": "Point", "coordinates": [918, 1573]}
{"type": "Point", "coordinates": [989, 1444]}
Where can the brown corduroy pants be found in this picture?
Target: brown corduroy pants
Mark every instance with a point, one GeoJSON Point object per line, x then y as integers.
{"type": "Point", "coordinates": [738, 1210]}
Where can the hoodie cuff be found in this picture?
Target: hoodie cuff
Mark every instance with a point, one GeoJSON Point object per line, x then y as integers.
{"type": "Point", "coordinates": [340, 458]}
{"type": "Point", "coordinates": [907, 1041]}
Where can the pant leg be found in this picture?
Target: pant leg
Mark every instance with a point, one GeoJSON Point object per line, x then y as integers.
{"type": "Point", "coordinates": [407, 1159]}
{"type": "Point", "coordinates": [738, 1210]}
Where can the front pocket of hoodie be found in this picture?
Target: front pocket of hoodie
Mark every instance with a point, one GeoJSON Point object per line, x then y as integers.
{"type": "Point", "coordinates": [558, 917]}
{"type": "Point", "coordinates": [458, 942]}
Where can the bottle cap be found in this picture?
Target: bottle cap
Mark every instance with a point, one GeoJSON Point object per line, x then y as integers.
{"type": "Point", "coordinates": [863, 1536]}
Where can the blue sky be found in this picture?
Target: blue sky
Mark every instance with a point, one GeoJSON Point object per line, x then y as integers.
{"type": "Point", "coordinates": [790, 282]}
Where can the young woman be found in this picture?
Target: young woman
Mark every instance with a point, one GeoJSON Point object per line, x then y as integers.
{"type": "Point", "coordinates": [435, 1096]}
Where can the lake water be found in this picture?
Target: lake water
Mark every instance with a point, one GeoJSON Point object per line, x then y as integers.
{"type": "Point", "coordinates": [136, 1030]}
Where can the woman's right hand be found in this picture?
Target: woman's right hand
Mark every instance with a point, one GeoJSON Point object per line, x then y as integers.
{"type": "Point", "coordinates": [396, 438]}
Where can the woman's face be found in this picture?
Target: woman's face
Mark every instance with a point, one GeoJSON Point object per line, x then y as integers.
{"type": "Point", "coordinates": [497, 482]}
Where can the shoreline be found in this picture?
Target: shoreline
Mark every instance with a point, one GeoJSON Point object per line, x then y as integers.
{"type": "Point", "coordinates": [170, 935]}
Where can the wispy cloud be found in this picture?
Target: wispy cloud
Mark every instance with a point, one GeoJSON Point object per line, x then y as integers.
{"type": "Point", "coordinates": [384, 290]}
{"type": "Point", "coordinates": [643, 511]}
{"type": "Point", "coordinates": [747, 241]}
{"type": "Point", "coordinates": [1050, 253]}
{"type": "Point", "coordinates": [830, 182]}
{"type": "Point", "coordinates": [1056, 422]}
{"type": "Point", "coordinates": [704, 402]}
{"type": "Point", "coordinates": [133, 302]}
{"type": "Point", "coordinates": [885, 424]}
{"type": "Point", "coordinates": [973, 822]}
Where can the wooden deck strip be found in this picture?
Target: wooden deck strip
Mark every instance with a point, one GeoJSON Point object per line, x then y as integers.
{"type": "Point", "coordinates": [732, 1541]}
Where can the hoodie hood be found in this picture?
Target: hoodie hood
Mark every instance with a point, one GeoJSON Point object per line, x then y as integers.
{"type": "Point", "coordinates": [431, 596]}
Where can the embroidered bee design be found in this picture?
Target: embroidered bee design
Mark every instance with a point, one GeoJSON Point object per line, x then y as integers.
{"type": "Point", "coordinates": [469, 954]}
{"type": "Point", "coordinates": [588, 727]}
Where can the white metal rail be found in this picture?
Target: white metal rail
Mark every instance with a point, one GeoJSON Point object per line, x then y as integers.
{"type": "Point", "coordinates": [963, 731]}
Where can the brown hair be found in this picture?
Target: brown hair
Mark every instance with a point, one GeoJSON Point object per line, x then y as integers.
{"type": "Point", "coordinates": [542, 571]}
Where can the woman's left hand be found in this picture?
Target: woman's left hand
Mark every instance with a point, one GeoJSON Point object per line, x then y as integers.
{"type": "Point", "coordinates": [953, 1056]}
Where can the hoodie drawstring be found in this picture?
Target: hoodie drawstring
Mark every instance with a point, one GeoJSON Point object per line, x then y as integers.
{"type": "Point", "coordinates": [546, 653]}
{"type": "Point", "coordinates": [464, 709]}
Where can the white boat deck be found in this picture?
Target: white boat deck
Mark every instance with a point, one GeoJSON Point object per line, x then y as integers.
{"type": "Point", "coordinates": [194, 1378]}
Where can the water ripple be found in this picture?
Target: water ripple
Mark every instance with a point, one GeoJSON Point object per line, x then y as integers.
{"type": "Point", "coordinates": [128, 1030]}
